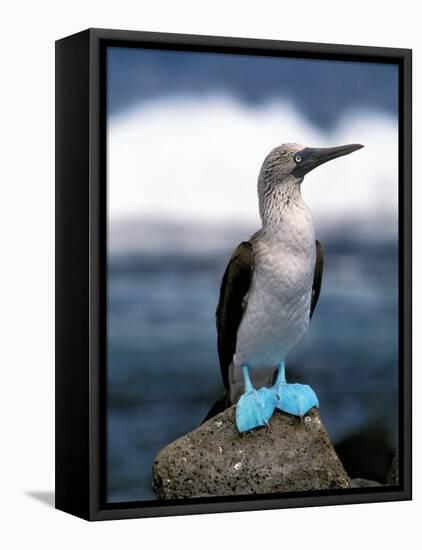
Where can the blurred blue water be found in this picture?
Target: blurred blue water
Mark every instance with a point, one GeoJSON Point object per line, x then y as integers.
{"type": "Point", "coordinates": [163, 372]}
{"type": "Point", "coordinates": [136, 74]}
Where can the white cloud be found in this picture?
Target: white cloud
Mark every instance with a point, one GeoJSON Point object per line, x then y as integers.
{"type": "Point", "coordinates": [198, 159]}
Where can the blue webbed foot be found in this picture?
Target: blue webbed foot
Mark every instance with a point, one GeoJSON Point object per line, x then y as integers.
{"type": "Point", "coordinates": [296, 399]}
{"type": "Point", "coordinates": [255, 407]}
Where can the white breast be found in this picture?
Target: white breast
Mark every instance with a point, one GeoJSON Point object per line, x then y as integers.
{"type": "Point", "coordinates": [277, 311]}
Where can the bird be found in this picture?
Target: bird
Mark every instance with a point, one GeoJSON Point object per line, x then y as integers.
{"type": "Point", "coordinates": [269, 291]}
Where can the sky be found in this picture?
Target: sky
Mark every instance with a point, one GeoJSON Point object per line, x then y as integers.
{"type": "Point", "coordinates": [187, 134]}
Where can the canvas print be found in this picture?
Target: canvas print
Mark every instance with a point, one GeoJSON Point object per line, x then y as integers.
{"type": "Point", "coordinates": [252, 275]}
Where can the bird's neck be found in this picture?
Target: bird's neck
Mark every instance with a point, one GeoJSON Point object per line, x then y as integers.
{"type": "Point", "coordinates": [283, 208]}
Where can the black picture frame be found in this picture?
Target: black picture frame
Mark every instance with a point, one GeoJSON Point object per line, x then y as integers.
{"type": "Point", "coordinates": [81, 275]}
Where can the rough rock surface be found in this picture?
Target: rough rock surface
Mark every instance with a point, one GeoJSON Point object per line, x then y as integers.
{"type": "Point", "coordinates": [393, 474]}
{"type": "Point", "coordinates": [360, 482]}
{"type": "Point", "coordinates": [214, 460]}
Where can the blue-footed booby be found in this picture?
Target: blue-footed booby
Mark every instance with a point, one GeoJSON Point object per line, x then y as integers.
{"type": "Point", "coordinates": [269, 292]}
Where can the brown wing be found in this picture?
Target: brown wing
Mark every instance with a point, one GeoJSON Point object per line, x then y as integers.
{"type": "Point", "coordinates": [234, 287]}
{"type": "Point", "coordinates": [316, 285]}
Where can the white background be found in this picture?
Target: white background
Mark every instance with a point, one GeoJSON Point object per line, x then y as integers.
{"type": "Point", "coordinates": [27, 276]}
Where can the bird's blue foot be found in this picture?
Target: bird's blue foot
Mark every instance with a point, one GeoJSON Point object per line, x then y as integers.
{"type": "Point", "coordinates": [255, 407]}
{"type": "Point", "coordinates": [296, 399]}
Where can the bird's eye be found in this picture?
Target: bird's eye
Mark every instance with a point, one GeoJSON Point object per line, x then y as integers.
{"type": "Point", "coordinates": [298, 158]}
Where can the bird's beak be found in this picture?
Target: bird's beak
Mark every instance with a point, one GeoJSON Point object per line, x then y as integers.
{"type": "Point", "coordinates": [310, 157]}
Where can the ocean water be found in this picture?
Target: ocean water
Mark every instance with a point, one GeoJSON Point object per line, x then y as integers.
{"type": "Point", "coordinates": [163, 372]}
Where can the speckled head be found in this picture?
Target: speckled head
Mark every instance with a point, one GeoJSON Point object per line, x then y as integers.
{"type": "Point", "coordinates": [285, 167]}
{"type": "Point", "coordinates": [281, 162]}
{"type": "Point", "coordinates": [294, 159]}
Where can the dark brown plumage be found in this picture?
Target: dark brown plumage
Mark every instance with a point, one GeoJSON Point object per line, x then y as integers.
{"type": "Point", "coordinates": [316, 285]}
{"type": "Point", "coordinates": [234, 287]}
